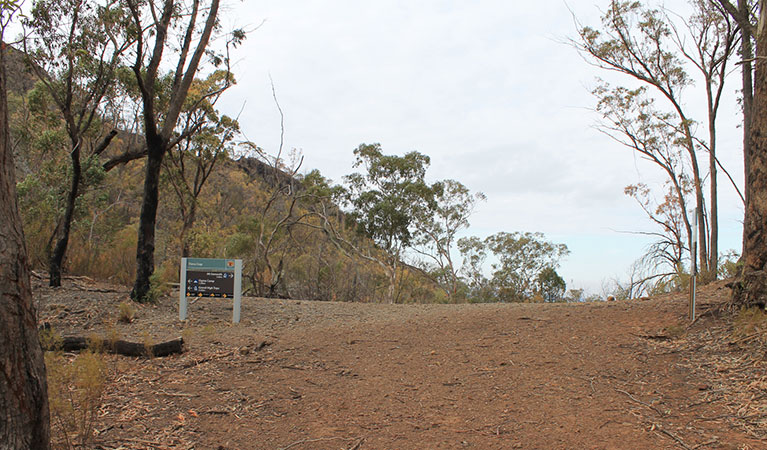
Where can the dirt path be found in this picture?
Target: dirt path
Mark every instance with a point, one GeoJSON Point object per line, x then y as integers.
{"type": "Point", "coordinates": [307, 375]}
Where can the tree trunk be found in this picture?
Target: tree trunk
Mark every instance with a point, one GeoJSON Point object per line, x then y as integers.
{"type": "Point", "coordinates": [747, 54]}
{"type": "Point", "coordinates": [392, 286]}
{"type": "Point", "coordinates": [158, 140]}
{"type": "Point", "coordinates": [147, 220]}
{"type": "Point", "coordinates": [187, 224]}
{"type": "Point", "coordinates": [713, 250]}
{"type": "Point", "coordinates": [700, 202]}
{"type": "Point", "coordinates": [57, 257]}
{"type": "Point", "coordinates": [751, 289]}
{"type": "Point", "coordinates": [24, 417]}
{"type": "Point", "coordinates": [698, 186]}
{"type": "Point", "coordinates": [391, 273]}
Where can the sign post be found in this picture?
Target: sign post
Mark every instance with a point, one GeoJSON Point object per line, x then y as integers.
{"type": "Point", "coordinates": [205, 277]}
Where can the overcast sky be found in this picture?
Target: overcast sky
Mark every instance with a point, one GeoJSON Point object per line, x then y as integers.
{"type": "Point", "coordinates": [486, 88]}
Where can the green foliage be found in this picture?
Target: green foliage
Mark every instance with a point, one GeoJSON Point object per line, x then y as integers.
{"type": "Point", "coordinates": [75, 390]}
{"type": "Point", "coordinates": [730, 264]}
{"type": "Point", "coordinates": [389, 196]}
{"type": "Point", "coordinates": [655, 47]}
{"type": "Point", "coordinates": [50, 339]}
{"type": "Point", "coordinates": [437, 230]}
{"type": "Point", "coordinates": [474, 253]}
{"type": "Point", "coordinates": [575, 295]}
{"type": "Point", "coordinates": [550, 285]}
{"type": "Point", "coordinates": [387, 202]}
{"type": "Point", "coordinates": [126, 312]}
{"type": "Point", "coordinates": [523, 259]}
{"type": "Point", "coordinates": [157, 286]}
{"type": "Point", "coordinates": [8, 5]}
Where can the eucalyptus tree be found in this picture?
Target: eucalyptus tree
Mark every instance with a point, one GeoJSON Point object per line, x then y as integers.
{"type": "Point", "coordinates": [74, 47]}
{"type": "Point", "coordinates": [521, 258]}
{"type": "Point", "coordinates": [154, 25]}
{"type": "Point", "coordinates": [24, 413]}
{"type": "Point", "coordinates": [751, 288]}
{"type": "Point", "coordinates": [189, 164]}
{"type": "Point", "coordinates": [714, 36]}
{"type": "Point", "coordinates": [550, 285]}
{"type": "Point", "coordinates": [665, 257]}
{"type": "Point", "coordinates": [474, 256]}
{"type": "Point", "coordinates": [522, 264]}
{"type": "Point", "coordinates": [744, 12]}
{"type": "Point", "coordinates": [385, 201]}
{"type": "Point", "coordinates": [438, 229]}
{"type": "Point", "coordinates": [649, 46]}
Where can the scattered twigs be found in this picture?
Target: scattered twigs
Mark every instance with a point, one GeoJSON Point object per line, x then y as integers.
{"type": "Point", "coordinates": [355, 446]}
{"type": "Point", "coordinates": [653, 337]}
{"type": "Point", "coordinates": [176, 394]}
{"type": "Point", "coordinates": [674, 437]}
{"type": "Point", "coordinates": [197, 362]}
{"type": "Point", "coordinates": [747, 338]}
{"type": "Point", "coordinates": [636, 400]}
{"type": "Point", "coordinates": [147, 443]}
{"type": "Point", "coordinates": [704, 444]}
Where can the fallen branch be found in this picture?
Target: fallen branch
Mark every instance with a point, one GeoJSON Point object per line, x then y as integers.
{"type": "Point", "coordinates": [118, 347]}
{"type": "Point", "coordinates": [357, 445]}
{"type": "Point", "coordinates": [335, 438]}
{"type": "Point", "coordinates": [704, 444]}
{"type": "Point", "coordinates": [746, 338]}
{"type": "Point", "coordinates": [147, 443]}
{"type": "Point", "coordinates": [660, 413]}
{"type": "Point", "coordinates": [654, 337]}
{"type": "Point", "coordinates": [674, 437]}
{"type": "Point", "coordinates": [91, 289]}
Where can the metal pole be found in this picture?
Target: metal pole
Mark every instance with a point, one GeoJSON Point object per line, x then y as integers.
{"type": "Point", "coordinates": [693, 266]}
{"type": "Point", "coordinates": [182, 291]}
{"type": "Point", "coordinates": [237, 291]}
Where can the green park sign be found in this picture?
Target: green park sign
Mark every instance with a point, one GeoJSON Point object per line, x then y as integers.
{"type": "Point", "coordinates": [207, 277]}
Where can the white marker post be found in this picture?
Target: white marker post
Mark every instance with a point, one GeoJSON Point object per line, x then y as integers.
{"type": "Point", "coordinates": [182, 302]}
{"type": "Point", "coordinates": [237, 290]}
{"type": "Point", "coordinates": [693, 266]}
{"type": "Point", "coordinates": [205, 277]}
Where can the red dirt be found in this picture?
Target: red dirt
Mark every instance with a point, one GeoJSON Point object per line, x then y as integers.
{"type": "Point", "coordinates": [316, 375]}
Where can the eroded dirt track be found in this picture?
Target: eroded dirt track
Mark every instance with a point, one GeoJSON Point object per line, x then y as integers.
{"type": "Point", "coordinates": [307, 375]}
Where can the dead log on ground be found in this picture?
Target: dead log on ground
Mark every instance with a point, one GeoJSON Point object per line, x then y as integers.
{"type": "Point", "coordinates": [119, 347]}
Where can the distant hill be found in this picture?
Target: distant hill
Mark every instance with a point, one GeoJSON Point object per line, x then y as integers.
{"type": "Point", "coordinates": [20, 77]}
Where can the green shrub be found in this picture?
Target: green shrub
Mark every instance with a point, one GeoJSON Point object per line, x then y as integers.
{"type": "Point", "coordinates": [126, 312]}
{"type": "Point", "coordinates": [75, 391]}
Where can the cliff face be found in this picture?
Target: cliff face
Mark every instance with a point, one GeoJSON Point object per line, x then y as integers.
{"type": "Point", "coordinates": [257, 169]}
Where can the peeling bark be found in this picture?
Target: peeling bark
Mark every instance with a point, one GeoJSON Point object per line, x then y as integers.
{"type": "Point", "coordinates": [751, 288]}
